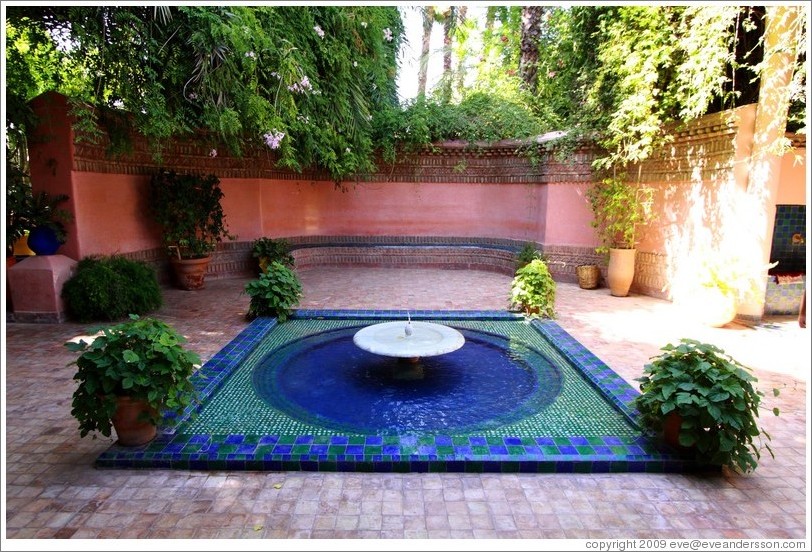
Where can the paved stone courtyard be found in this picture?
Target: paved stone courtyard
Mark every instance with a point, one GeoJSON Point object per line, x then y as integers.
{"type": "Point", "coordinates": [53, 490]}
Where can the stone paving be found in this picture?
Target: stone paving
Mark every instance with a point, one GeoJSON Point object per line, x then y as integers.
{"type": "Point", "coordinates": [52, 490]}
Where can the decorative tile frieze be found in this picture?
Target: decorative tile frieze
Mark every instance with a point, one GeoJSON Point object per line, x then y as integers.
{"type": "Point", "coordinates": [503, 162]}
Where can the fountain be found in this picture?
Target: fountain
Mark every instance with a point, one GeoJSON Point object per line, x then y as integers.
{"type": "Point", "coordinates": [409, 341]}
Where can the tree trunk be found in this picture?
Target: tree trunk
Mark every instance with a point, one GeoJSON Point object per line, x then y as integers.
{"type": "Point", "coordinates": [425, 50]}
{"type": "Point", "coordinates": [449, 21]}
{"type": "Point", "coordinates": [531, 32]}
{"type": "Point", "coordinates": [461, 16]}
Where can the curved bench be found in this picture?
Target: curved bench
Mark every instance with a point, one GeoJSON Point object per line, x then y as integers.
{"type": "Point", "coordinates": [462, 257]}
{"type": "Point", "coordinates": [233, 259]}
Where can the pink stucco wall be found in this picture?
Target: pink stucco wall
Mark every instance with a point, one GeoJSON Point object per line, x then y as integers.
{"type": "Point", "coordinates": [114, 211]}
{"type": "Point", "coordinates": [794, 183]}
{"type": "Point", "coordinates": [115, 217]}
{"type": "Point", "coordinates": [51, 159]}
{"type": "Point", "coordinates": [569, 217]}
{"type": "Point", "coordinates": [698, 180]}
{"type": "Point", "coordinates": [295, 207]}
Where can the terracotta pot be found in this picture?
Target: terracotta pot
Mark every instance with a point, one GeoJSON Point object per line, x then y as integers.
{"type": "Point", "coordinates": [190, 274]}
{"type": "Point", "coordinates": [131, 429]}
{"type": "Point", "coordinates": [620, 272]}
{"type": "Point", "coordinates": [671, 427]}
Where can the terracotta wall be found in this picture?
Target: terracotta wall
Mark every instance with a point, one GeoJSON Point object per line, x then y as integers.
{"type": "Point", "coordinates": [702, 202]}
{"type": "Point", "coordinates": [451, 191]}
{"type": "Point", "coordinates": [291, 208]}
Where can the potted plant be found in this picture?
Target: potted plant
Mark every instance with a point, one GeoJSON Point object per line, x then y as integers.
{"type": "Point", "coordinates": [188, 209]}
{"type": "Point", "coordinates": [703, 400]}
{"type": "Point", "coordinates": [275, 293]}
{"type": "Point", "coordinates": [18, 200]}
{"type": "Point", "coordinates": [533, 290]}
{"type": "Point", "coordinates": [268, 250]}
{"type": "Point", "coordinates": [712, 290]}
{"type": "Point", "coordinates": [527, 253]}
{"type": "Point", "coordinates": [45, 222]}
{"type": "Point", "coordinates": [619, 208]}
{"type": "Point", "coordinates": [127, 375]}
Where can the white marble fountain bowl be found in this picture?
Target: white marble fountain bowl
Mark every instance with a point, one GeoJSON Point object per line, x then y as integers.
{"type": "Point", "coordinates": [392, 339]}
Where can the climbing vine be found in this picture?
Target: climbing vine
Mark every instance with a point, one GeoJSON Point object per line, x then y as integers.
{"type": "Point", "coordinates": [302, 82]}
{"type": "Point", "coordinates": [315, 86]}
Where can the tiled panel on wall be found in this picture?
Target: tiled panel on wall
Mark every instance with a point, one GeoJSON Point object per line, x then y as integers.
{"type": "Point", "coordinates": [783, 298]}
{"type": "Point", "coordinates": [789, 239]}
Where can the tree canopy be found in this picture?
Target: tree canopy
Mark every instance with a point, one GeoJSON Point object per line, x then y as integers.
{"type": "Point", "coordinates": [315, 86]}
{"type": "Point", "coordinates": [621, 74]}
{"type": "Point", "coordinates": [303, 82]}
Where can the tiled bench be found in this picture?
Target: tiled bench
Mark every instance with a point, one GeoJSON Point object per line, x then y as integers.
{"type": "Point", "coordinates": [499, 255]}
{"type": "Point", "coordinates": [783, 298]}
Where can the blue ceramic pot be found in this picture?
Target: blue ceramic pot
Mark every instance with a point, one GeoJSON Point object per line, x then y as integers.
{"type": "Point", "coordinates": [42, 240]}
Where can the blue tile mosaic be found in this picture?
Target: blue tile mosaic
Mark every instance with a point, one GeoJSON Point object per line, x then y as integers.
{"type": "Point", "coordinates": [175, 448]}
{"type": "Point", "coordinates": [789, 239]}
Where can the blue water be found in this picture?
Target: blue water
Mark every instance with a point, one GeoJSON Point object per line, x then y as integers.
{"type": "Point", "coordinates": [326, 379]}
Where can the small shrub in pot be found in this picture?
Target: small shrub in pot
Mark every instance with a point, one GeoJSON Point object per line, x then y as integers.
{"type": "Point", "coordinates": [714, 398]}
{"type": "Point", "coordinates": [142, 359]}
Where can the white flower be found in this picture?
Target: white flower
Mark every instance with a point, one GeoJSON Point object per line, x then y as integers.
{"type": "Point", "coordinates": [387, 34]}
{"type": "Point", "coordinates": [251, 55]}
{"type": "Point", "coordinates": [348, 150]}
{"type": "Point", "coordinates": [355, 64]}
{"type": "Point", "coordinates": [364, 24]}
{"type": "Point", "coordinates": [273, 139]}
{"type": "Point", "coordinates": [213, 153]}
{"type": "Point", "coordinates": [319, 31]}
{"type": "Point", "coordinates": [301, 86]}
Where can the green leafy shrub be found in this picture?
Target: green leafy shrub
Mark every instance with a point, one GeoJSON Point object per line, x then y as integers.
{"type": "Point", "coordinates": [188, 209]}
{"type": "Point", "coordinates": [275, 293]}
{"type": "Point", "coordinates": [478, 117]}
{"type": "Point", "coordinates": [110, 288]}
{"type": "Point", "coordinates": [533, 289]}
{"type": "Point", "coordinates": [715, 398]}
{"type": "Point", "coordinates": [268, 250]}
{"type": "Point", "coordinates": [528, 253]}
{"type": "Point", "coordinates": [619, 209]}
{"type": "Point", "coordinates": [142, 358]}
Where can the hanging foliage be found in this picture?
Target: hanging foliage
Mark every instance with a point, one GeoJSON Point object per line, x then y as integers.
{"type": "Point", "coordinates": [302, 82]}
{"type": "Point", "coordinates": [622, 74]}
{"type": "Point", "coordinates": [315, 86]}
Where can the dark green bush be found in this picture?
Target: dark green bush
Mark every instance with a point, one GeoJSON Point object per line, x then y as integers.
{"type": "Point", "coordinates": [268, 250]}
{"type": "Point", "coordinates": [109, 288]}
{"type": "Point", "coordinates": [528, 253]}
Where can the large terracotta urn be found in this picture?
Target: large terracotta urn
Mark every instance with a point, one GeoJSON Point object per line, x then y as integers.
{"type": "Point", "coordinates": [620, 273]}
{"type": "Point", "coordinates": [190, 274]}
